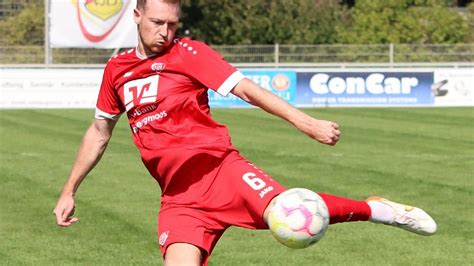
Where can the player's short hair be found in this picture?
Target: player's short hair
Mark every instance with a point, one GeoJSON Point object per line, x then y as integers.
{"type": "Point", "coordinates": [141, 4]}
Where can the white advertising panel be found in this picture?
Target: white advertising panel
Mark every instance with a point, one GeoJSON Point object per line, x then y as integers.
{"type": "Point", "coordinates": [454, 87]}
{"type": "Point", "coordinates": [49, 88]}
{"type": "Point", "coordinates": [78, 88]}
{"type": "Point", "coordinates": [92, 23]}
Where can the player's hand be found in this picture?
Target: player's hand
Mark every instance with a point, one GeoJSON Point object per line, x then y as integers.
{"type": "Point", "coordinates": [325, 132]}
{"type": "Point", "coordinates": [64, 211]}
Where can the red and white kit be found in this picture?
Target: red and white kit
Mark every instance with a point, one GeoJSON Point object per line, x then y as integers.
{"type": "Point", "coordinates": [206, 185]}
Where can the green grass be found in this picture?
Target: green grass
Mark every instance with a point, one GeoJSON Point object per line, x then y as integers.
{"type": "Point", "coordinates": [418, 156]}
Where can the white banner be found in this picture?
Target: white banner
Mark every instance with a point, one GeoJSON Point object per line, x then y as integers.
{"type": "Point", "coordinates": [49, 88]}
{"type": "Point", "coordinates": [92, 23]}
{"type": "Point", "coordinates": [78, 88]}
{"type": "Point", "coordinates": [454, 87]}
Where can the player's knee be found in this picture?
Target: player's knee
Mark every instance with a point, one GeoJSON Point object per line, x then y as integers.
{"type": "Point", "coordinates": [182, 254]}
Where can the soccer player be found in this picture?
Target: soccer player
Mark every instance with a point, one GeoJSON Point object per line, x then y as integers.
{"type": "Point", "coordinates": [207, 186]}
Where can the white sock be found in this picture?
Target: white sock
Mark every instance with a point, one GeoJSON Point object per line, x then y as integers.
{"type": "Point", "coordinates": [381, 213]}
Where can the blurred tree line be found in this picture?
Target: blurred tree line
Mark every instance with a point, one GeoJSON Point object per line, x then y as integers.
{"type": "Point", "coordinates": [294, 22]}
{"type": "Point", "coordinates": [25, 27]}
{"type": "Point", "coordinates": [327, 21]}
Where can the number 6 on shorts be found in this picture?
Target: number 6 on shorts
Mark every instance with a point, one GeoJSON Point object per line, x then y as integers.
{"type": "Point", "coordinates": [253, 181]}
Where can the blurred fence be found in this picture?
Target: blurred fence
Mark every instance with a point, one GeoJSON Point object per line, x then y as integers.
{"type": "Point", "coordinates": [349, 54]}
{"type": "Point", "coordinates": [271, 55]}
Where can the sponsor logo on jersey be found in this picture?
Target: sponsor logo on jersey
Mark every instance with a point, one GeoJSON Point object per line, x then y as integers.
{"type": "Point", "coordinates": [158, 67]}
{"type": "Point", "coordinates": [280, 82]}
{"type": "Point", "coordinates": [143, 110]}
{"type": "Point", "coordinates": [98, 18]}
{"type": "Point", "coordinates": [148, 119]}
{"type": "Point", "coordinates": [163, 237]}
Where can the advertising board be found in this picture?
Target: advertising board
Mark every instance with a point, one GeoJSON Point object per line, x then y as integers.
{"type": "Point", "coordinates": [78, 88]}
{"type": "Point", "coordinates": [364, 88]}
{"type": "Point", "coordinates": [280, 82]}
{"type": "Point", "coordinates": [49, 88]}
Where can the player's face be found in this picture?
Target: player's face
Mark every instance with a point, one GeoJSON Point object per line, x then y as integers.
{"type": "Point", "coordinates": [157, 24]}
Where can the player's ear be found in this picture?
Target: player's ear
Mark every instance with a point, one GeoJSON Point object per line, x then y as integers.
{"type": "Point", "coordinates": [137, 16]}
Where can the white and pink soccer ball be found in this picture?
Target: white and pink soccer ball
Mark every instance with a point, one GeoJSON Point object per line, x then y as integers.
{"type": "Point", "coordinates": [299, 218]}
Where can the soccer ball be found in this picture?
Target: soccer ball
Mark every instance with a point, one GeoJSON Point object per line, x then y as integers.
{"type": "Point", "coordinates": [299, 218]}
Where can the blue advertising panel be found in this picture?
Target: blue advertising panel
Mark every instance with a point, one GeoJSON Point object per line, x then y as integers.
{"type": "Point", "coordinates": [279, 82]}
{"type": "Point", "coordinates": [364, 88]}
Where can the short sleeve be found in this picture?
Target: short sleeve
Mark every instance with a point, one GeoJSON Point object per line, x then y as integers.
{"type": "Point", "coordinates": [108, 102]}
{"type": "Point", "coordinates": [209, 67]}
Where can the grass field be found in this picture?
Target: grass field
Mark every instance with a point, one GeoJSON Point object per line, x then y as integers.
{"type": "Point", "coordinates": [418, 156]}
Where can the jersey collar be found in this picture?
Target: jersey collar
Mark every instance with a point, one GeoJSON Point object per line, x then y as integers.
{"type": "Point", "coordinates": [142, 56]}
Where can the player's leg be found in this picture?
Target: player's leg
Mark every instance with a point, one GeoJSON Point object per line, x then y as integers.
{"type": "Point", "coordinates": [187, 228]}
{"type": "Point", "coordinates": [183, 254]}
{"type": "Point", "coordinates": [187, 235]}
{"type": "Point", "coordinates": [377, 210]}
{"type": "Point", "coordinates": [257, 188]}
{"type": "Point", "coordinates": [260, 192]}
{"type": "Point", "coordinates": [340, 209]}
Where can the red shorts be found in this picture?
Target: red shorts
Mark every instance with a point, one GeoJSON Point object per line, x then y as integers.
{"type": "Point", "coordinates": [209, 194]}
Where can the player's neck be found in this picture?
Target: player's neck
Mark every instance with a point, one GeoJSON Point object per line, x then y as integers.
{"type": "Point", "coordinates": [143, 53]}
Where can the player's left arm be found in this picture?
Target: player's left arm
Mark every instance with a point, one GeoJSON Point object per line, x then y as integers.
{"type": "Point", "coordinates": [323, 131]}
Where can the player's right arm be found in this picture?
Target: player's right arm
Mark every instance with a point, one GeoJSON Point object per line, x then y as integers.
{"type": "Point", "coordinates": [325, 132]}
{"type": "Point", "coordinates": [90, 151]}
{"type": "Point", "coordinates": [201, 60]}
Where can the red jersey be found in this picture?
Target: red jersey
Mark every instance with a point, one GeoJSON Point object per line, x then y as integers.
{"type": "Point", "coordinates": [165, 98]}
